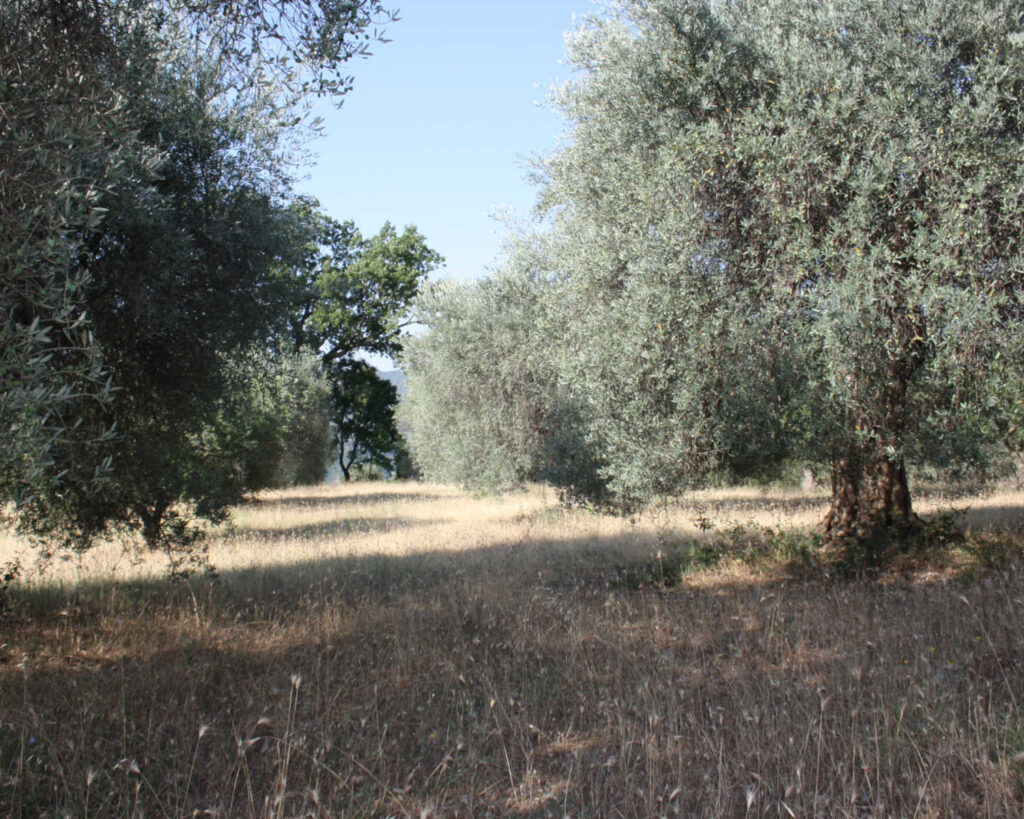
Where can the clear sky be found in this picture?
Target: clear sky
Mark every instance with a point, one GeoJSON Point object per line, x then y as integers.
{"type": "Point", "coordinates": [435, 129]}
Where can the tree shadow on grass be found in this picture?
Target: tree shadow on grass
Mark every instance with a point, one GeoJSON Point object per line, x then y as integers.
{"type": "Point", "coordinates": [754, 503]}
{"type": "Point", "coordinates": [342, 579]}
{"type": "Point", "coordinates": [1009, 518]}
{"type": "Point", "coordinates": [600, 562]}
{"type": "Point", "coordinates": [581, 563]}
{"type": "Point", "coordinates": [479, 660]}
{"type": "Point", "coordinates": [328, 529]}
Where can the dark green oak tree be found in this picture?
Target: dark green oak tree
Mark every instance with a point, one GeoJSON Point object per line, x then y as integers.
{"type": "Point", "coordinates": [351, 296]}
{"type": "Point", "coordinates": [363, 407]}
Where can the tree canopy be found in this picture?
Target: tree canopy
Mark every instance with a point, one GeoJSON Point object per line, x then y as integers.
{"type": "Point", "coordinates": [351, 294]}
{"type": "Point", "coordinates": [363, 406]}
{"type": "Point", "coordinates": [348, 296]}
{"type": "Point", "coordinates": [146, 153]}
{"type": "Point", "coordinates": [790, 231]}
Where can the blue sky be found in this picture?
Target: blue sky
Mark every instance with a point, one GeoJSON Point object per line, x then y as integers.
{"type": "Point", "coordinates": [433, 132]}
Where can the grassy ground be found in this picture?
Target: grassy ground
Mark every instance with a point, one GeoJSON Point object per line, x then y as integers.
{"type": "Point", "coordinates": [407, 650]}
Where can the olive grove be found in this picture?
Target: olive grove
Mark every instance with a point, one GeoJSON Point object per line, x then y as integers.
{"type": "Point", "coordinates": [779, 231]}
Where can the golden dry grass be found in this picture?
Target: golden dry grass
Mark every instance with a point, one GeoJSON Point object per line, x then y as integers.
{"type": "Point", "coordinates": [407, 650]}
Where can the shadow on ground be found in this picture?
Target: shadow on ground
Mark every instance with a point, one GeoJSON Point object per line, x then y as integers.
{"type": "Point", "coordinates": [732, 507]}
{"type": "Point", "coordinates": [1010, 518]}
{"type": "Point", "coordinates": [389, 684]}
{"type": "Point", "coordinates": [329, 529]}
{"type": "Point", "coordinates": [580, 563]}
{"type": "Point", "coordinates": [513, 564]}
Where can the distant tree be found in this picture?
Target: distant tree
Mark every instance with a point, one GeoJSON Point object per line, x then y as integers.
{"type": "Point", "coordinates": [307, 442]}
{"type": "Point", "coordinates": [793, 228]}
{"type": "Point", "coordinates": [485, 407]}
{"type": "Point", "coordinates": [364, 419]}
{"type": "Point", "coordinates": [273, 420]}
{"type": "Point", "coordinates": [350, 295]}
{"type": "Point", "coordinates": [470, 413]}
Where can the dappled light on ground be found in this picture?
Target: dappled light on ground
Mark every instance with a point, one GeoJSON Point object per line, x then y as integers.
{"type": "Point", "coordinates": [407, 650]}
{"type": "Point", "coordinates": [297, 527]}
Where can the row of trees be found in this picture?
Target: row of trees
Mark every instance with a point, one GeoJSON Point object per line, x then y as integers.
{"type": "Point", "coordinates": [176, 326]}
{"type": "Point", "coordinates": [779, 232]}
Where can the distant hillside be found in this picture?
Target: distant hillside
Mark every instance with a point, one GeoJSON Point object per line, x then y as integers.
{"type": "Point", "coordinates": [396, 377]}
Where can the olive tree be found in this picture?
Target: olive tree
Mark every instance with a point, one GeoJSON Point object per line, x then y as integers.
{"type": "Point", "coordinates": [471, 414]}
{"type": "Point", "coordinates": [144, 203]}
{"type": "Point", "coordinates": [485, 404]}
{"type": "Point", "coordinates": [64, 141]}
{"type": "Point", "coordinates": [793, 229]}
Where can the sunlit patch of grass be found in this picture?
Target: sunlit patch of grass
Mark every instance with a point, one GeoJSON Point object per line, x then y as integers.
{"type": "Point", "coordinates": [363, 520]}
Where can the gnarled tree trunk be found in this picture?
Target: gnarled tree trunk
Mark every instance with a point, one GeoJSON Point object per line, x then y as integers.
{"type": "Point", "coordinates": [869, 492]}
{"type": "Point", "coordinates": [869, 479]}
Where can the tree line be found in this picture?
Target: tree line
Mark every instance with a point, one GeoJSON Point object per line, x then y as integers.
{"type": "Point", "coordinates": [177, 326]}
{"type": "Point", "coordinates": [773, 233]}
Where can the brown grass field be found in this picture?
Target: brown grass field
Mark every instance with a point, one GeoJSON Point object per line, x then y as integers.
{"type": "Point", "coordinates": [408, 650]}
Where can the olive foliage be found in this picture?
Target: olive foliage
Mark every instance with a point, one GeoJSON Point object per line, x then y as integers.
{"type": "Point", "coordinates": [787, 231]}
{"type": "Point", "coordinates": [145, 201]}
{"type": "Point", "coordinates": [486, 406]}
{"type": "Point", "coordinates": [475, 411]}
{"type": "Point", "coordinates": [65, 140]}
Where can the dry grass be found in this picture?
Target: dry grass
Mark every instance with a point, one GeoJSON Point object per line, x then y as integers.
{"type": "Point", "coordinates": [406, 650]}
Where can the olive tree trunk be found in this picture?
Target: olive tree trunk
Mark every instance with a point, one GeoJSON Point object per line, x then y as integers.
{"type": "Point", "coordinates": [869, 492]}
{"type": "Point", "coordinates": [869, 478]}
